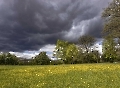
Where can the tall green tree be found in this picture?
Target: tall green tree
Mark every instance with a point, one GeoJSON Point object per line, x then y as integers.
{"type": "Point", "coordinates": [60, 49]}
{"type": "Point", "coordinates": [111, 14]}
{"type": "Point", "coordinates": [109, 50]}
{"type": "Point", "coordinates": [72, 54]}
{"type": "Point", "coordinates": [41, 59]}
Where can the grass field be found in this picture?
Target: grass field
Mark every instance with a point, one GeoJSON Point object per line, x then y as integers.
{"type": "Point", "coordinates": [61, 76]}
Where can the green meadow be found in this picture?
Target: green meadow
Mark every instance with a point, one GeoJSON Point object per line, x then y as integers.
{"type": "Point", "coordinates": [61, 76]}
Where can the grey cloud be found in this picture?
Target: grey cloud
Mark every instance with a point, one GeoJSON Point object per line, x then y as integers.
{"type": "Point", "coordinates": [95, 27]}
{"type": "Point", "coordinates": [31, 24]}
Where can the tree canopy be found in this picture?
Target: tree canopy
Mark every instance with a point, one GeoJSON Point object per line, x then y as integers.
{"type": "Point", "coordinates": [60, 49]}
{"type": "Point", "coordinates": [86, 41]}
{"type": "Point", "coordinates": [42, 59]}
{"type": "Point", "coordinates": [111, 14]}
{"type": "Point", "coordinates": [8, 59]}
{"type": "Point", "coordinates": [109, 50]}
{"type": "Point", "coordinates": [68, 52]}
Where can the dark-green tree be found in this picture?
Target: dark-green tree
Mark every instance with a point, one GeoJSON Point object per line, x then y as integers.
{"type": "Point", "coordinates": [42, 59]}
{"type": "Point", "coordinates": [11, 59]}
{"type": "Point", "coordinates": [8, 59]}
{"type": "Point", "coordinates": [2, 59]}
{"type": "Point", "coordinates": [95, 56]}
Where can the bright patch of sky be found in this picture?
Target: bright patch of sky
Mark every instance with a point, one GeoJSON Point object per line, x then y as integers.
{"type": "Point", "coordinates": [29, 54]}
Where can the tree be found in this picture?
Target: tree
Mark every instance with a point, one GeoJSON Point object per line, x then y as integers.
{"type": "Point", "coordinates": [60, 49]}
{"type": "Point", "coordinates": [8, 59]}
{"type": "Point", "coordinates": [42, 59]}
{"type": "Point", "coordinates": [111, 15]}
{"type": "Point", "coordinates": [2, 59]}
{"type": "Point", "coordinates": [86, 41]}
{"type": "Point", "coordinates": [72, 54]}
{"type": "Point", "coordinates": [95, 56]}
{"type": "Point", "coordinates": [68, 52]}
{"type": "Point", "coordinates": [109, 50]}
{"type": "Point", "coordinates": [11, 59]}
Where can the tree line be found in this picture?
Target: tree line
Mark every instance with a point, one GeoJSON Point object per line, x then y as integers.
{"type": "Point", "coordinates": [83, 51]}
{"type": "Point", "coordinates": [10, 59]}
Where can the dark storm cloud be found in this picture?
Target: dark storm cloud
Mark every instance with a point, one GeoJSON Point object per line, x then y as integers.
{"type": "Point", "coordinates": [95, 27]}
{"type": "Point", "coordinates": [30, 24]}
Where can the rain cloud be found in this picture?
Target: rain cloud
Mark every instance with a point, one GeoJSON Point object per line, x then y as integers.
{"type": "Point", "coordinates": [32, 24]}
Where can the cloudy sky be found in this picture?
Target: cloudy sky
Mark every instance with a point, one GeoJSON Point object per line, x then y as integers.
{"type": "Point", "coordinates": [30, 26]}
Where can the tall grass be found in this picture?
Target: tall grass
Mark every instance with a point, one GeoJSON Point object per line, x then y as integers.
{"type": "Point", "coordinates": [61, 76]}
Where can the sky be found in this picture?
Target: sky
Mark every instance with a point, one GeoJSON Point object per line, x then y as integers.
{"type": "Point", "coordinates": [28, 27]}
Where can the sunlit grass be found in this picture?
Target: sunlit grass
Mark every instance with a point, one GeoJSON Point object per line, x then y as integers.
{"type": "Point", "coordinates": [61, 76]}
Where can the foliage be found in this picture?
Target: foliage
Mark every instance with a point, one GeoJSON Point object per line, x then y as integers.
{"type": "Point", "coordinates": [95, 57]}
{"type": "Point", "coordinates": [111, 15]}
{"type": "Point", "coordinates": [56, 62]}
{"type": "Point", "coordinates": [2, 59]}
{"type": "Point", "coordinates": [8, 59]}
{"type": "Point", "coordinates": [68, 52]}
{"type": "Point", "coordinates": [60, 49]}
{"type": "Point", "coordinates": [42, 59]}
{"type": "Point", "coordinates": [86, 41]}
{"type": "Point", "coordinates": [91, 57]}
{"type": "Point", "coordinates": [111, 30]}
{"type": "Point", "coordinates": [109, 50]}
{"type": "Point", "coordinates": [72, 54]}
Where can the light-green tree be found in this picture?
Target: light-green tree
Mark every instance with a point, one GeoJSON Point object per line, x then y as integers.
{"type": "Point", "coordinates": [60, 49]}
{"type": "Point", "coordinates": [72, 54]}
{"type": "Point", "coordinates": [109, 50]}
{"type": "Point", "coordinates": [67, 52]}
